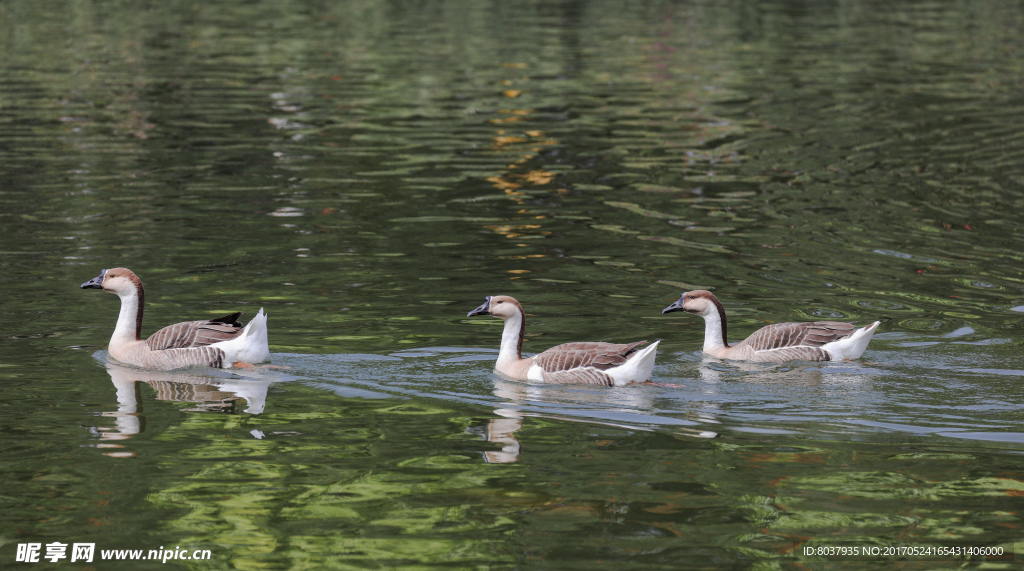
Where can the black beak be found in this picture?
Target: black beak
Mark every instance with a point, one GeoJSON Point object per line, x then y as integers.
{"type": "Point", "coordinates": [484, 309]}
{"type": "Point", "coordinates": [96, 282]}
{"type": "Point", "coordinates": [676, 306]}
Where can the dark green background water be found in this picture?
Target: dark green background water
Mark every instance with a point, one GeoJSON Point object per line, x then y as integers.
{"type": "Point", "coordinates": [368, 171]}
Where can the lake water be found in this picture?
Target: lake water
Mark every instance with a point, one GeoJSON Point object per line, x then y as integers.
{"type": "Point", "coordinates": [368, 171]}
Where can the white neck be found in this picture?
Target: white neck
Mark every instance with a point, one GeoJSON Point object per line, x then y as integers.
{"type": "Point", "coordinates": [127, 320]}
{"type": "Point", "coordinates": [713, 331]}
{"type": "Point", "coordinates": [509, 352]}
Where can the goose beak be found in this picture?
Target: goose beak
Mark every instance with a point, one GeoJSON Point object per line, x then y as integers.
{"type": "Point", "coordinates": [484, 309]}
{"type": "Point", "coordinates": [676, 306]}
{"type": "Point", "coordinates": [96, 282]}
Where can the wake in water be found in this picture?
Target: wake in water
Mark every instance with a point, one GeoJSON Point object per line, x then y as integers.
{"type": "Point", "coordinates": [908, 385]}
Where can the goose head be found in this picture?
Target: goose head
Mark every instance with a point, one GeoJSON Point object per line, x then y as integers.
{"type": "Point", "coordinates": [501, 306]}
{"type": "Point", "coordinates": [700, 302]}
{"type": "Point", "coordinates": [119, 281]}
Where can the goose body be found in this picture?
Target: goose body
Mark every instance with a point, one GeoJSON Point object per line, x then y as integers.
{"type": "Point", "coordinates": [811, 341]}
{"type": "Point", "coordinates": [609, 364]}
{"type": "Point", "coordinates": [218, 342]}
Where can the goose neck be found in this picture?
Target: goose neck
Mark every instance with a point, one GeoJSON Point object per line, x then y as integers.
{"type": "Point", "coordinates": [512, 339]}
{"type": "Point", "coordinates": [714, 331]}
{"type": "Point", "coordinates": [129, 321]}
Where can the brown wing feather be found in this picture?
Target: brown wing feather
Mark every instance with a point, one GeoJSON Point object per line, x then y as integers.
{"type": "Point", "coordinates": [801, 340]}
{"type": "Point", "coordinates": [600, 356]}
{"type": "Point", "coordinates": [209, 356]}
{"type": "Point", "coordinates": [196, 333]}
{"type": "Point", "coordinates": [803, 353]}
{"type": "Point", "coordinates": [579, 376]}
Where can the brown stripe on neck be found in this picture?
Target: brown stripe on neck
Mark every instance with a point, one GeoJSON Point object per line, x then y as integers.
{"type": "Point", "coordinates": [522, 329]}
{"type": "Point", "coordinates": [721, 316]}
{"type": "Point", "coordinates": [142, 304]}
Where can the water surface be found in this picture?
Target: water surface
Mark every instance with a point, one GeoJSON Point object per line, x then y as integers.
{"type": "Point", "coordinates": [368, 171]}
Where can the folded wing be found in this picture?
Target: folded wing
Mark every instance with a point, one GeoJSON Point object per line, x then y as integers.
{"type": "Point", "coordinates": [584, 362]}
{"type": "Point", "coordinates": [799, 340]}
{"type": "Point", "coordinates": [196, 333]}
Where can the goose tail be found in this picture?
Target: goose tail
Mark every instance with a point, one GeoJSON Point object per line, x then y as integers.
{"type": "Point", "coordinates": [252, 345]}
{"type": "Point", "coordinates": [638, 368]}
{"type": "Point", "coordinates": [853, 346]}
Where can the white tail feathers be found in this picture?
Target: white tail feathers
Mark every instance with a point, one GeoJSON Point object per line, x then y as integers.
{"type": "Point", "coordinates": [249, 347]}
{"type": "Point", "coordinates": [853, 346]}
{"type": "Point", "coordinates": [638, 368]}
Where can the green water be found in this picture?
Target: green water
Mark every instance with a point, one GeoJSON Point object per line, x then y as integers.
{"type": "Point", "coordinates": [368, 171]}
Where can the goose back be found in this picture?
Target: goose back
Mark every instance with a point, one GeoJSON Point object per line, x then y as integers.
{"type": "Point", "coordinates": [796, 341]}
{"type": "Point", "coordinates": [196, 333]}
{"type": "Point", "coordinates": [584, 362]}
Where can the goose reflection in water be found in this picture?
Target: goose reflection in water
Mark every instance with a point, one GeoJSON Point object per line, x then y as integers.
{"type": "Point", "coordinates": [211, 392]}
{"type": "Point", "coordinates": [501, 430]}
{"type": "Point", "coordinates": [712, 370]}
{"type": "Point", "coordinates": [771, 398]}
{"type": "Point", "coordinates": [626, 407]}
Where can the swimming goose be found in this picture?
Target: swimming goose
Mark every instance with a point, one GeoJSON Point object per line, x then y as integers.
{"type": "Point", "coordinates": [592, 363]}
{"type": "Point", "coordinates": [217, 342]}
{"type": "Point", "coordinates": [812, 341]}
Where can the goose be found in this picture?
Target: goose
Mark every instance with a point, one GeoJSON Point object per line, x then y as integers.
{"type": "Point", "coordinates": [218, 342]}
{"type": "Point", "coordinates": [594, 363]}
{"type": "Point", "coordinates": [811, 341]}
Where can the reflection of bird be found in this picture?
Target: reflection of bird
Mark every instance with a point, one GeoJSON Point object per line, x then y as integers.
{"type": "Point", "coordinates": [212, 391]}
{"type": "Point", "coordinates": [608, 364]}
{"type": "Point", "coordinates": [502, 431]}
{"type": "Point", "coordinates": [215, 343]}
{"type": "Point", "coordinates": [813, 341]}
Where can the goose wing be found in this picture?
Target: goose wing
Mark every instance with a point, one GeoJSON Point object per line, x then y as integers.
{"type": "Point", "coordinates": [584, 362]}
{"type": "Point", "coordinates": [196, 333]}
{"type": "Point", "coordinates": [587, 354]}
{"type": "Point", "coordinates": [803, 341]}
{"type": "Point", "coordinates": [181, 358]}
